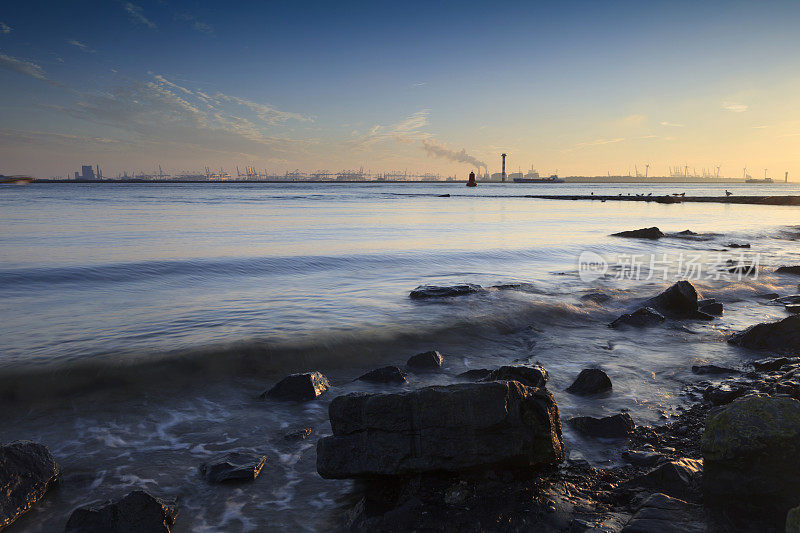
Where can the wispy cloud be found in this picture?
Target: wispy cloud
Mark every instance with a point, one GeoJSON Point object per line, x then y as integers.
{"type": "Point", "coordinates": [26, 68]}
{"type": "Point", "coordinates": [759, 127]}
{"type": "Point", "coordinates": [600, 142]}
{"type": "Point", "coordinates": [4, 28]}
{"type": "Point", "coordinates": [735, 107]}
{"type": "Point", "coordinates": [634, 120]}
{"type": "Point", "coordinates": [135, 14]}
{"type": "Point", "coordinates": [196, 24]}
{"type": "Point", "coordinates": [672, 125]}
{"type": "Point", "coordinates": [80, 45]}
{"type": "Point", "coordinates": [407, 130]}
{"type": "Point", "coordinates": [264, 112]}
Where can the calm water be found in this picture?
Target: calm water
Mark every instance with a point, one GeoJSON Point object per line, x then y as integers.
{"type": "Point", "coordinates": [139, 323]}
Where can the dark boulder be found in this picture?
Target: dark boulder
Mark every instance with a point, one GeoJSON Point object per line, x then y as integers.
{"type": "Point", "coordinates": [299, 387]}
{"type": "Point", "coordinates": [641, 318]}
{"type": "Point", "coordinates": [679, 478]}
{"type": "Point", "coordinates": [233, 467]}
{"type": "Point", "coordinates": [713, 369]}
{"type": "Point", "coordinates": [609, 427]}
{"type": "Point", "coordinates": [431, 360]}
{"type": "Point", "coordinates": [662, 514]}
{"type": "Point", "coordinates": [643, 458]}
{"type": "Point", "coordinates": [435, 291]}
{"type": "Point", "coordinates": [298, 435]}
{"type": "Point", "coordinates": [644, 233]}
{"type": "Point", "coordinates": [27, 471]}
{"type": "Point", "coordinates": [441, 428]}
{"type": "Point", "coordinates": [736, 245]}
{"type": "Point", "coordinates": [475, 374]}
{"type": "Point", "coordinates": [590, 381]}
{"type": "Point", "coordinates": [724, 394]}
{"type": "Point", "coordinates": [713, 309]}
{"type": "Point", "coordinates": [793, 308]}
{"type": "Point", "coordinates": [387, 374]}
{"type": "Point", "coordinates": [770, 364]}
{"type": "Point", "coordinates": [794, 269]}
{"type": "Point", "coordinates": [793, 520]}
{"type": "Point", "coordinates": [781, 337]}
{"type": "Point", "coordinates": [688, 232]}
{"type": "Point", "coordinates": [532, 376]}
{"type": "Point", "coordinates": [678, 301]}
{"type": "Point", "coordinates": [137, 512]}
{"type": "Point", "coordinates": [750, 451]}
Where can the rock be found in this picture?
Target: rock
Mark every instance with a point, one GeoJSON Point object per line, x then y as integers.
{"type": "Point", "coordinates": [678, 301]}
{"type": "Point", "coordinates": [137, 512]}
{"type": "Point", "coordinates": [233, 467]}
{"type": "Point", "coordinates": [441, 428]}
{"type": "Point", "coordinates": [476, 374]}
{"type": "Point", "coordinates": [793, 520]}
{"type": "Point", "coordinates": [643, 458]}
{"type": "Point", "coordinates": [750, 451]}
{"type": "Point", "coordinates": [795, 269]}
{"type": "Point", "coordinates": [713, 369]}
{"type": "Point", "coordinates": [590, 381]}
{"type": "Point", "coordinates": [781, 337]}
{"type": "Point", "coordinates": [687, 232]}
{"type": "Point", "coordinates": [788, 387]}
{"type": "Point", "coordinates": [299, 387]}
{"type": "Point", "coordinates": [724, 394]}
{"type": "Point", "coordinates": [596, 297]}
{"type": "Point", "coordinates": [662, 514]}
{"type": "Point", "coordinates": [735, 245]}
{"type": "Point", "coordinates": [644, 233]}
{"type": "Point", "coordinates": [532, 376]}
{"type": "Point", "coordinates": [678, 478]}
{"type": "Point", "coordinates": [298, 435]}
{"type": "Point", "coordinates": [426, 361]}
{"type": "Point", "coordinates": [793, 308]}
{"type": "Point", "coordinates": [792, 299]}
{"type": "Point", "coordinates": [387, 374]}
{"type": "Point", "coordinates": [435, 291]}
{"type": "Point", "coordinates": [609, 427]}
{"type": "Point", "coordinates": [641, 318]}
{"type": "Point", "coordinates": [27, 471]}
{"type": "Point", "coordinates": [773, 363]}
{"type": "Point", "coordinates": [713, 309]}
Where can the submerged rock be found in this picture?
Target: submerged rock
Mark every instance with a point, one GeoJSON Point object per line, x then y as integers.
{"type": "Point", "coordinates": [299, 387]}
{"type": "Point", "coordinates": [475, 374]}
{"type": "Point", "coordinates": [641, 318]}
{"type": "Point", "coordinates": [644, 233]}
{"type": "Point", "coordinates": [139, 511]}
{"type": "Point", "coordinates": [532, 376]}
{"type": "Point", "coordinates": [713, 309]}
{"type": "Point", "coordinates": [662, 514]}
{"type": "Point", "coordinates": [782, 336]}
{"type": "Point", "coordinates": [233, 467]}
{"type": "Point", "coordinates": [773, 363]}
{"type": "Point", "coordinates": [609, 427]}
{"type": "Point", "coordinates": [387, 374]}
{"type": "Point", "coordinates": [735, 245]}
{"type": "Point", "coordinates": [713, 369]}
{"type": "Point", "coordinates": [750, 451]}
{"type": "Point", "coordinates": [678, 301]}
{"type": "Point", "coordinates": [794, 269]}
{"type": "Point", "coordinates": [431, 360]}
{"type": "Point", "coordinates": [435, 291]}
{"type": "Point", "coordinates": [27, 471]}
{"type": "Point", "coordinates": [590, 381]}
{"type": "Point", "coordinates": [441, 428]}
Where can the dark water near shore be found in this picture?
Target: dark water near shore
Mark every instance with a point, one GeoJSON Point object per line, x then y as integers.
{"type": "Point", "coordinates": [139, 323]}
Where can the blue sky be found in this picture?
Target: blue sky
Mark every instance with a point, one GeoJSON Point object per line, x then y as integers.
{"type": "Point", "coordinates": [579, 87]}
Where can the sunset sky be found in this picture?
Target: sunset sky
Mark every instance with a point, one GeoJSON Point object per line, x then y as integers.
{"type": "Point", "coordinates": [582, 88]}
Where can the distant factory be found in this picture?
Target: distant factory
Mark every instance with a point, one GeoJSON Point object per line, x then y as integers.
{"type": "Point", "coordinates": [89, 173]}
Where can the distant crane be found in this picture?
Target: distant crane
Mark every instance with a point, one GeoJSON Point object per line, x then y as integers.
{"type": "Point", "coordinates": [765, 173]}
{"type": "Point", "coordinates": [646, 168]}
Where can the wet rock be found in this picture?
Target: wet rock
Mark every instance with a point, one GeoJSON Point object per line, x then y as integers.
{"type": "Point", "coordinates": [793, 308]}
{"type": "Point", "coordinates": [475, 374]}
{"type": "Point", "coordinates": [713, 309]}
{"type": "Point", "coordinates": [662, 514]}
{"type": "Point", "coordinates": [298, 435]}
{"type": "Point", "coordinates": [644, 233]}
{"type": "Point", "coordinates": [441, 428]}
{"type": "Point", "coordinates": [788, 387]}
{"type": "Point", "coordinates": [532, 376]}
{"type": "Point", "coordinates": [713, 369]}
{"type": "Point", "coordinates": [609, 427]}
{"type": "Point", "coordinates": [27, 471]}
{"type": "Point", "coordinates": [641, 318]}
{"type": "Point", "coordinates": [426, 361]}
{"type": "Point", "coordinates": [435, 291]}
{"type": "Point", "coordinates": [643, 458]}
{"type": "Point", "coordinates": [299, 387]}
{"type": "Point", "coordinates": [139, 511]}
{"type": "Point", "coordinates": [781, 337]}
{"type": "Point", "coordinates": [590, 381]}
{"type": "Point", "coordinates": [737, 245]}
{"type": "Point", "coordinates": [687, 232]}
{"type": "Point", "coordinates": [596, 297]}
{"type": "Point", "coordinates": [795, 269]}
{"type": "Point", "coordinates": [724, 394]}
{"type": "Point", "coordinates": [793, 520]}
{"type": "Point", "coordinates": [387, 374]}
{"type": "Point", "coordinates": [773, 363]}
{"type": "Point", "coordinates": [768, 295]}
{"type": "Point", "coordinates": [233, 467]}
{"type": "Point", "coordinates": [678, 301]}
{"type": "Point", "coordinates": [679, 478]}
{"type": "Point", "coordinates": [750, 451]}
{"type": "Point", "coordinates": [792, 299]}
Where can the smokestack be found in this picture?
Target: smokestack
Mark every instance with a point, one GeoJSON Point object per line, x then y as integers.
{"type": "Point", "coordinates": [786, 177]}
{"type": "Point", "coordinates": [504, 167]}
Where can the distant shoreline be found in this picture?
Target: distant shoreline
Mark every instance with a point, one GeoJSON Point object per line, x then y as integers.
{"type": "Point", "coordinates": [567, 180]}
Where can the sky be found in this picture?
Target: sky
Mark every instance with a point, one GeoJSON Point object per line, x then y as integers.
{"type": "Point", "coordinates": [571, 87]}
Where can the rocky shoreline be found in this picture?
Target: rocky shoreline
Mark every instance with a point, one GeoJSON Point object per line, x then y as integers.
{"type": "Point", "coordinates": [487, 454]}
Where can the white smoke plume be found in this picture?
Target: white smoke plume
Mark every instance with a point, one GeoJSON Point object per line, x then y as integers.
{"type": "Point", "coordinates": [437, 150]}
